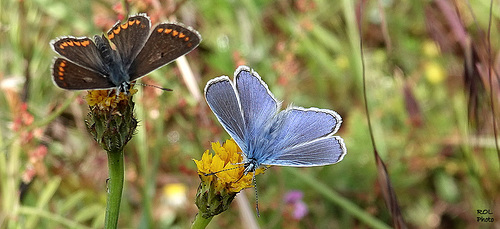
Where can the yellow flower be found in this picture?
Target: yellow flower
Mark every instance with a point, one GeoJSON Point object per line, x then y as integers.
{"type": "Point", "coordinates": [434, 72]}
{"type": "Point", "coordinates": [104, 99]}
{"type": "Point", "coordinates": [226, 167]}
{"type": "Point", "coordinates": [174, 195]}
{"type": "Point", "coordinates": [221, 177]}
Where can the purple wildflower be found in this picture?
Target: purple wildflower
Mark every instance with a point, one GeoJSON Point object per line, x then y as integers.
{"type": "Point", "coordinates": [294, 198]}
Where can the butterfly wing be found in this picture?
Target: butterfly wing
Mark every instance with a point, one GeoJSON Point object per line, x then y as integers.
{"type": "Point", "coordinates": [70, 76]}
{"type": "Point", "coordinates": [322, 151]}
{"type": "Point", "coordinates": [82, 51]}
{"type": "Point", "coordinates": [166, 43]}
{"type": "Point", "coordinates": [297, 125]}
{"type": "Point", "coordinates": [303, 137]}
{"type": "Point", "coordinates": [129, 37]}
{"type": "Point", "coordinates": [222, 99]}
{"type": "Point", "coordinates": [257, 103]}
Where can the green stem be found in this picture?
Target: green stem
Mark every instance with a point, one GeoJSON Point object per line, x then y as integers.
{"type": "Point", "coordinates": [200, 222]}
{"type": "Point", "coordinates": [148, 190]}
{"type": "Point", "coordinates": [115, 188]}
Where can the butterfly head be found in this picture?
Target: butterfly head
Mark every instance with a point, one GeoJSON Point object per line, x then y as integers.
{"type": "Point", "coordinates": [123, 87]}
{"type": "Point", "coordinates": [250, 164]}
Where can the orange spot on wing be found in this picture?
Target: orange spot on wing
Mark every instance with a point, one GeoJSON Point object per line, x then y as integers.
{"type": "Point", "coordinates": [60, 74]}
{"type": "Point", "coordinates": [167, 31]}
{"type": "Point", "coordinates": [85, 42]}
{"type": "Point", "coordinates": [61, 69]}
{"type": "Point", "coordinates": [181, 35]}
{"type": "Point", "coordinates": [70, 43]}
{"type": "Point", "coordinates": [61, 78]}
{"type": "Point", "coordinates": [77, 43]}
{"type": "Point", "coordinates": [160, 30]}
{"type": "Point", "coordinates": [111, 36]}
{"type": "Point", "coordinates": [131, 22]}
{"type": "Point", "coordinates": [186, 39]}
{"type": "Point", "coordinates": [117, 30]}
{"type": "Point", "coordinates": [63, 64]}
{"type": "Point", "coordinates": [137, 22]}
{"type": "Point", "coordinates": [175, 33]}
{"type": "Point", "coordinates": [124, 26]}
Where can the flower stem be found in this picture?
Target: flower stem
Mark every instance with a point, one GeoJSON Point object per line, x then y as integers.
{"type": "Point", "coordinates": [115, 188]}
{"type": "Point", "coordinates": [200, 222]}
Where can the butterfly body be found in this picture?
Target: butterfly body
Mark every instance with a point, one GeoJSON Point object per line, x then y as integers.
{"type": "Point", "coordinates": [88, 64]}
{"type": "Point", "coordinates": [296, 136]}
{"type": "Point", "coordinates": [116, 71]}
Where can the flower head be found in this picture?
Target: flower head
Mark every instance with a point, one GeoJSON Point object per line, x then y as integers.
{"type": "Point", "coordinates": [106, 100]}
{"type": "Point", "coordinates": [111, 119]}
{"type": "Point", "coordinates": [222, 177]}
{"type": "Point", "coordinates": [298, 207]}
{"type": "Point", "coordinates": [226, 167]}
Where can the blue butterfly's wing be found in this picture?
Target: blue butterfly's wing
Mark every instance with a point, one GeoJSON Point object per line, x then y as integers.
{"type": "Point", "coordinates": [303, 137]}
{"type": "Point", "coordinates": [257, 104]}
{"type": "Point", "coordinates": [297, 125]}
{"type": "Point", "coordinates": [222, 99]}
{"type": "Point", "coordinates": [322, 151]}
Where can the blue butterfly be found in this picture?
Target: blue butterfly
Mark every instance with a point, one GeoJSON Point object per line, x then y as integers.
{"type": "Point", "coordinates": [296, 136]}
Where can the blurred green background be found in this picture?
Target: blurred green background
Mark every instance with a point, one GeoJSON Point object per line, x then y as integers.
{"type": "Point", "coordinates": [427, 88]}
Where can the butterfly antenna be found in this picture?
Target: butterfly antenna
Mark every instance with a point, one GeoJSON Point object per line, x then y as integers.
{"type": "Point", "coordinates": [153, 86]}
{"type": "Point", "coordinates": [256, 194]}
{"type": "Point", "coordinates": [210, 174]}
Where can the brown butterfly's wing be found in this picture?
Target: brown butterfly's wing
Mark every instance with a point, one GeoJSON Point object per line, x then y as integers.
{"type": "Point", "coordinates": [80, 50]}
{"type": "Point", "coordinates": [129, 37]}
{"type": "Point", "coordinates": [70, 76]}
{"type": "Point", "coordinates": [167, 42]}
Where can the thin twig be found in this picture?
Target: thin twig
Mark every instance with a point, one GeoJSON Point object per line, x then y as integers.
{"type": "Point", "coordinates": [491, 82]}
